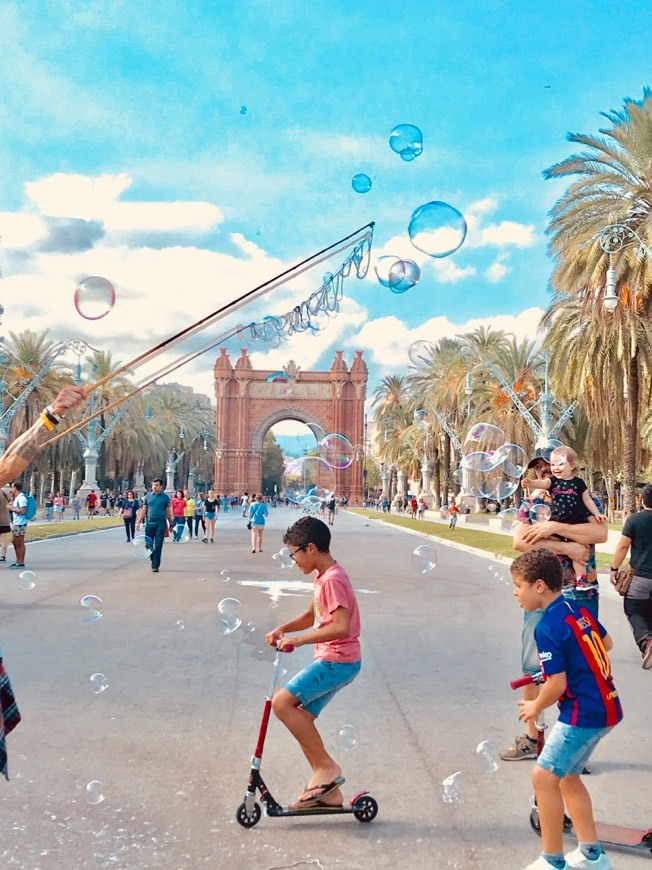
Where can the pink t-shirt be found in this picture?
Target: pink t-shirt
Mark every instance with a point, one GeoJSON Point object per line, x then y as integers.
{"type": "Point", "coordinates": [332, 590]}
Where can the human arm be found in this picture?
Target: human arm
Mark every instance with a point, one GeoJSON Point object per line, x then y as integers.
{"type": "Point", "coordinates": [551, 691]}
{"type": "Point", "coordinates": [23, 449]}
{"type": "Point", "coordinates": [304, 621]}
{"type": "Point", "coordinates": [337, 629]}
{"type": "Point", "coordinates": [574, 550]}
{"type": "Point", "coordinates": [533, 483]}
{"type": "Point", "coordinates": [583, 533]}
{"type": "Point", "coordinates": [622, 547]}
{"type": "Point", "coordinates": [142, 513]}
{"type": "Point", "coordinates": [592, 508]}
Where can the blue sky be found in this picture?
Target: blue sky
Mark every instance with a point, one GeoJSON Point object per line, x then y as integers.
{"type": "Point", "coordinates": [124, 154]}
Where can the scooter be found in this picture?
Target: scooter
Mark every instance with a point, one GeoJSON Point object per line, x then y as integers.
{"type": "Point", "coordinates": [248, 814]}
{"type": "Point", "coordinates": [617, 836]}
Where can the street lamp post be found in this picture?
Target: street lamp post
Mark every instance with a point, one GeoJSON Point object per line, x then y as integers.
{"type": "Point", "coordinates": [613, 239]}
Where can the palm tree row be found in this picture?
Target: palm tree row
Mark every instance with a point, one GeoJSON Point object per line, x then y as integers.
{"type": "Point", "coordinates": [599, 359]}
{"type": "Point", "coordinates": [148, 429]}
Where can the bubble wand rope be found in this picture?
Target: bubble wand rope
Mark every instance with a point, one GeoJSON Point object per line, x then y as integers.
{"type": "Point", "coordinates": [249, 296]}
{"type": "Point", "coordinates": [293, 320]}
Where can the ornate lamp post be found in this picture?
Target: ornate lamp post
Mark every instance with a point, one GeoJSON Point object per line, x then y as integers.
{"type": "Point", "coordinates": [613, 239]}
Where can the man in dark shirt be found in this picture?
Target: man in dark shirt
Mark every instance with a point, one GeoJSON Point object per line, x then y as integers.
{"type": "Point", "coordinates": [637, 534]}
{"type": "Point", "coordinates": [156, 508]}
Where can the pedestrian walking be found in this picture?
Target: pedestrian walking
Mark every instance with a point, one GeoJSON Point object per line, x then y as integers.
{"type": "Point", "coordinates": [199, 516]}
{"type": "Point", "coordinates": [128, 512]}
{"type": "Point", "coordinates": [156, 513]}
{"type": "Point", "coordinates": [211, 506]}
{"type": "Point", "coordinates": [178, 507]}
{"type": "Point", "coordinates": [257, 513]}
{"type": "Point", "coordinates": [190, 510]}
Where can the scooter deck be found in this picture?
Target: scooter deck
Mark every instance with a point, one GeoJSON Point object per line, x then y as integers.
{"type": "Point", "coordinates": [617, 835]}
{"type": "Point", "coordinates": [310, 811]}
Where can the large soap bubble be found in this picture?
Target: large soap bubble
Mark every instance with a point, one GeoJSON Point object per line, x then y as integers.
{"type": "Point", "coordinates": [403, 276]}
{"type": "Point", "coordinates": [229, 612]}
{"type": "Point", "coordinates": [407, 141]}
{"type": "Point", "coordinates": [437, 229]}
{"type": "Point", "coordinates": [94, 297]}
{"type": "Point", "coordinates": [483, 437]}
{"type": "Point", "coordinates": [361, 183]}
{"type": "Point", "coordinates": [513, 459]}
{"type": "Point", "coordinates": [282, 384]}
{"type": "Point", "coordinates": [383, 269]}
{"type": "Point", "coordinates": [424, 559]}
{"type": "Point", "coordinates": [336, 450]}
{"type": "Point", "coordinates": [421, 353]}
{"type": "Point", "coordinates": [421, 418]}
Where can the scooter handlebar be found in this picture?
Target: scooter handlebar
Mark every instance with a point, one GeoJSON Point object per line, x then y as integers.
{"type": "Point", "coordinates": [288, 648]}
{"type": "Point", "coordinates": [526, 680]}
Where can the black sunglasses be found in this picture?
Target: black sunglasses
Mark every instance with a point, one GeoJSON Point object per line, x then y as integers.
{"type": "Point", "coordinates": [298, 550]}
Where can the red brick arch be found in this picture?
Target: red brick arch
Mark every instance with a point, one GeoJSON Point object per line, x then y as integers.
{"type": "Point", "coordinates": [248, 406]}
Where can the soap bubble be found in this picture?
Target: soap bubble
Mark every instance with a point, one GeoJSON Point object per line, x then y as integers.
{"type": "Point", "coordinates": [383, 269]}
{"type": "Point", "coordinates": [361, 183]}
{"type": "Point", "coordinates": [90, 605]}
{"type": "Point", "coordinates": [421, 353]}
{"type": "Point", "coordinates": [243, 110]}
{"type": "Point", "coordinates": [513, 459]}
{"type": "Point", "coordinates": [421, 419]}
{"type": "Point", "coordinates": [336, 450]}
{"type": "Point", "coordinates": [181, 533]}
{"type": "Point", "coordinates": [27, 580]}
{"type": "Point", "coordinates": [403, 276]}
{"type": "Point", "coordinates": [437, 229]}
{"type": "Point", "coordinates": [487, 756]}
{"type": "Point", "coordinates": [282, 384]}
{"type": "Point", "coordinates": [228, 609]}
{"type": "Point", "coordinates": [483, 437]}
{"type": "Point", "coordinates": [346, 738]}
{"type": "Point", "coordinates": [141, 547]}
{"type": "Point", "coordinates": [424, 559]}
{"type": "Point", "coordinates": [539, 513]}
{"type": "Point", "coordinates": [407, 141]}
{"type": "Point", "coordinates": [508, 518]}
{"type": "Point", "coordinates": [94, 298]}
{"type": "Point", "coordinates": [94, 790]}
{"type": "Point", "coordinates": [451, 789]}
{"type": "Point", "coordinates": [98, 683]}
{"type": "Point", "coordinates": [225, 576]}
{"type": "Point", "coordinates": [498, 575]}
{"type": "Point", "coordinates": [180, 624]}
{"type": "Point", "coordinates": [478, 461]}
{"type": "Point", "coordinates": [547, 445]}
{"type": "Point", "coordinates": [283, 558]}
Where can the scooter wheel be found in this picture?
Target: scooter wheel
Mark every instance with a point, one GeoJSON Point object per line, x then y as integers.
{"type": "Point", "coordinates": [535, 824]}
{"type": "Point", "coordinates": [248, 820]}
{"type": "Point", "coordinates": [365, 809]}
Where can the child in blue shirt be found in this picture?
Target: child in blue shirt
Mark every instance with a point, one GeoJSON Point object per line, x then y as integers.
{"type": "Point", "coordinates": [572, 649]}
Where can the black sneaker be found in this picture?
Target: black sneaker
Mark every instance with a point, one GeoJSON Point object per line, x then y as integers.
{"type": "Point", "coordinates": [155, 570]}
{"type": "Point", "coordinates": [522, 748]}
{"type": "Point", "coordinates": [647, 656]}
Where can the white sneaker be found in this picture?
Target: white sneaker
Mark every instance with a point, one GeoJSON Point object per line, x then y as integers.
{"type": "Point", "coordinates": [579, 861]}
{"type": "Point", "coordinates": [542, 864]}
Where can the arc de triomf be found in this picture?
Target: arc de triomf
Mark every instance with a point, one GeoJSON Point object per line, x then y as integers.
{"type": "Point", "coordinates": [248, 405]}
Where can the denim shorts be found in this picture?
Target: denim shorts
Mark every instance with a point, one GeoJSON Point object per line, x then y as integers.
{"type": "Point", "coordinates": [209, 515]}
{"type": "Point", "coordinates": [568, 748]}
{"type": "Point", "coordinates": [529, 654]}
{"type": "Point", "coordinates": [317, 684]}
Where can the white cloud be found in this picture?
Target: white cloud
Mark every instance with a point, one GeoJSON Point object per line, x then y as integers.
{"type": "Point", "coordinates": [448, 272]}
{"type": "Point", "coordinates": [98, 198]}
{"type": "Point", "coordinates": [483, 206]}
{"type": "Point", "coordinates": [509, 233]}
{"type": "Point", "coordinates": [497, 270]}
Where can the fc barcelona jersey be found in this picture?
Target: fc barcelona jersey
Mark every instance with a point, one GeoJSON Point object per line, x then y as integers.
{"type": "Point", "coordinates": [569, 639]}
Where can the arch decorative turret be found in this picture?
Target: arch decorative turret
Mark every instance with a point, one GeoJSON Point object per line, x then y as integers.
{"type": "Point", "coordinates": [248, 406]}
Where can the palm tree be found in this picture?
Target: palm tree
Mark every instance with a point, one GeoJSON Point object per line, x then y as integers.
{"type": "Point", "coordinates": [613, 186]}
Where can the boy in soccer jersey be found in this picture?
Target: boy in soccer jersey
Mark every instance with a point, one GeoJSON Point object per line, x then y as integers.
{"type": "Point", "coordinates": [332, 623]}
{"type": "Point", "coordinates": [572, 649]}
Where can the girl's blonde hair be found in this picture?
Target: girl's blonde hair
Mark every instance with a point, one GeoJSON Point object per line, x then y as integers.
{"type": "Point", "coordinates": [570, 455]}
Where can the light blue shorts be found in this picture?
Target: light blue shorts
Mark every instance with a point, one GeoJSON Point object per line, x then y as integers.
{"type": "Point", "coordinates": [568, 748]}
{"type": "Point", "coordinates": [209, 515]}
{"type": "Point", "coordinates": [317, 684]}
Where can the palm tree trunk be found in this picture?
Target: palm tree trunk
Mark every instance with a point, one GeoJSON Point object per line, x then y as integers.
{"type": "Point", "coordinates": [436, 474]}
{"type": "Point", "coordinates": [447, 467]}
{"type": "Point", "coordinates": [631, 437]}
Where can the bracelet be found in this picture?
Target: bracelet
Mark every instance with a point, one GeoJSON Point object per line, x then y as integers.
{"type": "Point", "coordinates": [52, 417]}
{"type": "Point", "coordinates": [614, 569]}
{"type": "Point", "coordinates": [46, 421]}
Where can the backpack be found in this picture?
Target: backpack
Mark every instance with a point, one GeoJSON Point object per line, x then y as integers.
{"type": "Point", "coordinates": [30, 510]}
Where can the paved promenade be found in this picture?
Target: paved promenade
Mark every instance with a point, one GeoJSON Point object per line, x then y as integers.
{"type": "Point", "coordinates": [170, 738]}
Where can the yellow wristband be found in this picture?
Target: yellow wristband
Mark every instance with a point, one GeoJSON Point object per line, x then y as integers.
{"type": "Point", "coordinates": [46, 422]}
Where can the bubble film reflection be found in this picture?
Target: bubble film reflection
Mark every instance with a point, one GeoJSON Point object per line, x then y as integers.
{"type": "Point", "coordinates": [94, 297]}
{"type": "Point", "coordinates": [361, 183]}
{"type": "Point", "coordinates": [424, 559]}
{"type": "Point", "coordinates": [437, 229]}
{"type": "Point", "coordinates": [452, 789]}
{"type": "Point", "coordinates": [90, 605]}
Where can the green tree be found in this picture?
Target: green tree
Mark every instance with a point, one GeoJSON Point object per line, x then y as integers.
{"type": "Point", "coordinates": [273, 464]}
{"type": "Point", "coordinates": [612, 186]}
